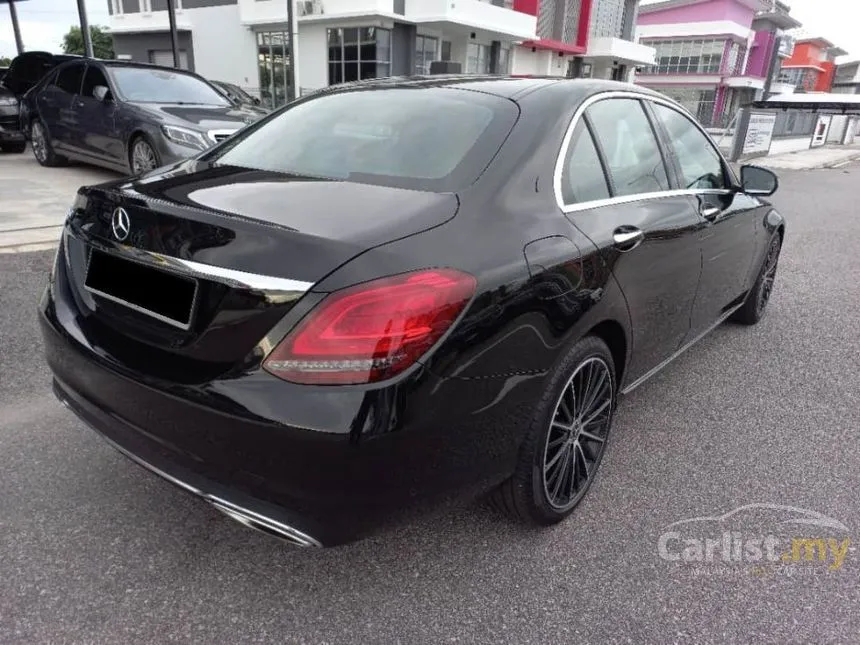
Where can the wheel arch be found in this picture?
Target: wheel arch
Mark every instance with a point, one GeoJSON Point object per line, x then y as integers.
{"type": "Point", "coordinates": [612, 333]}
{"type": "Point", "coordinates": [138, 132]}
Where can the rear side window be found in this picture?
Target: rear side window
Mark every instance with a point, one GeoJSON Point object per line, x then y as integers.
{"type": "Point", "coordinates": [69, 79]}
{"type": "Point", "coordinates": [582, 175]}
{"type": "Point", "coordinates": [629, 146]}
{"type": "Point", "coordinates": [428, 138]}
{"type": "Point", "coordinates": [700, 163]}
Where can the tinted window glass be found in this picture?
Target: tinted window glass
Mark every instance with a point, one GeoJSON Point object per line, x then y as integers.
{"type": "Point", "coordinates": [700, 163]}
{"type": "Point", "coordinates": [93, 78]}
{"type": "Point", "coordinates": [630, 146]}
{"type": "Point", "coordinates": [69, 79]}
{"type": "Point", "coordinates": [428, 139]}
{"type": "Point", "coordinates": [582, 178]}
{"type": "Point", "coordinates": [144, 85]}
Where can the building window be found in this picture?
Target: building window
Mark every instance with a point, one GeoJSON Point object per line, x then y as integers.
{"type": "Point", "coordinates": [504, 60]}
{"type": "Point", "coordinates": [358, 53]}
{"type": "Point", "coordinates": [737, 57]}
{"type": "Point", "coordinates": [164, 57]}
{"type": "Point", "coordinates": [477, 59]}
{"type": "Point", "coordinates": [801, 78]}
{"type": "Point", "coordinates": [273, 57]}
{"type": "Point", "coordinates": [686, 56]}
{"type": "Point", "coordinates": [425, 53]}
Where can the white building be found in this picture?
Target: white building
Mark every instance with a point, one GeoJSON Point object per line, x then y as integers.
{"type": "Point", "coordinates": [584, 38]}
{"type": "Point", "coordinates": [246, 42]}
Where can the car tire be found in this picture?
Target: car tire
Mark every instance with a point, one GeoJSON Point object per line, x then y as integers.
{"type": "Point", "coordinates": [14, 147]}
{"type": "Point", "coordinates": [40, 141]}
{"type": "Point", "coordinates": [556, 454]}
{"type": "Point", "coordinates": [755, 306]}
{"type": "Point", "coordinates": [141, 145]}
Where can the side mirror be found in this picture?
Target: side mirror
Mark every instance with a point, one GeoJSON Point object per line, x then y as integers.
{"type": "Point", "coordinates": [101, 93]}
{"type": "Point", "coordinates": [756, 180]}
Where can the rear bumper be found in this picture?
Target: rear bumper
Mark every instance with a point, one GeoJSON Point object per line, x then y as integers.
{"type": "Point", "coordinates": [256, 514]}
{"type": "Point", "coordinates": [286, 454]}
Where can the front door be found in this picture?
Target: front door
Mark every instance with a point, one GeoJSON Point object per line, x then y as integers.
{"type": "Point", "coordinates": [616, 190]}
{"type": "Point", "coordinates": [728, 233]}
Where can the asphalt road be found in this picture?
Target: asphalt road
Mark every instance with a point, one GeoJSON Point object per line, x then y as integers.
{"type": "Point", "coordinates": [95, 550]}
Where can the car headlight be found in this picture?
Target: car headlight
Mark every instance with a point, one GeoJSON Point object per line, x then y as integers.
{"type": "Point", "coordinates": [186, 137]}
{"type": "Point", "coordinates": [8, 100]}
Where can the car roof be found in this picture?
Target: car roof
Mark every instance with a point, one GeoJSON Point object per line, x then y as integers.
{"type": "Point", "coordinates": [509, 87]}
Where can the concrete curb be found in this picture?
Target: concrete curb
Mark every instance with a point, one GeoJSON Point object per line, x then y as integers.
{"type": "Point", "coordinates": [39, 238]}
{"type": "Point", "coordinates": [824, 165]}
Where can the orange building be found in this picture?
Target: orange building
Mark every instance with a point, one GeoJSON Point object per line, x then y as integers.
{"type": "Point", "coordinates": [811, 67]}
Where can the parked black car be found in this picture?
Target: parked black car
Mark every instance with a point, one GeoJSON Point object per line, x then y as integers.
{"type": "Point", "coordinates": [127, 116]}
{"type": "Point", "coordinates": [438, 288]}
{"type": "Point", "coordinates": [23, 73]}
{"type": "Point", "coordinates": [236, 94]}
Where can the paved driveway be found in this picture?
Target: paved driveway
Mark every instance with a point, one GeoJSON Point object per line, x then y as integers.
{"type": "Point", "coordinates": [34, 200]}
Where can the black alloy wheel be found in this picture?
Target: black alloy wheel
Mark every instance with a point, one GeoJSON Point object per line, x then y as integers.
{"type": "Point", "coordinates": [567, 440]}
{"type": "Point", "coordinates": [40, 141]}
{"type": "Point", "coordinates": [754, 308]}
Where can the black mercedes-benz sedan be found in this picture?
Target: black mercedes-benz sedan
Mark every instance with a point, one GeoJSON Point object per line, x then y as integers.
{"type": "Point", "coordinates": [403, 292]}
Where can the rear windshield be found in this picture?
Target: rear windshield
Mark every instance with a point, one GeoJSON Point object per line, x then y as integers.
{"type": "Point", "coordinates": [428, 138]}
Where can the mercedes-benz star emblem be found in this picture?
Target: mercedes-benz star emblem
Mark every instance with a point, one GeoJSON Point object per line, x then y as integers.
{"type": "Point", "coordinates": [120, 224]}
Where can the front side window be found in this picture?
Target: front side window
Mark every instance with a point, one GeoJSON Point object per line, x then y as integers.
{"type": "Point", "coordinates": [582, 175]}
{"type": "Point", "coordinates": [629, 145]}
{"type": "Point", "coordinates": [92, 79]}
{"type": "Point", "coordinates": [701, 166]}
{"type": "Point", "coordinates": [147, 85]}
{"type": "Point", "coordinates": [434, 139]}
{"type": "Point", "coordinates": [69, 78]}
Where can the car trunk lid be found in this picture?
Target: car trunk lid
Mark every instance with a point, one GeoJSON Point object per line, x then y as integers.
{"type": "Point", "coordinates": [200, 267]}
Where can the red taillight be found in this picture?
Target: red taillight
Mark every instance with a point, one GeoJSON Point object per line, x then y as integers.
{"type": "Point", "coordinates": [374, 330]}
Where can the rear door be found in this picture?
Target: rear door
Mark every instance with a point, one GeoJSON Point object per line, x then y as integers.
{"type": "Point", "coordinates": [616, 189]}
{"type": "Point", "coordinates": [728, 236]}
{"type": "Point", "coordinates": [94, 131]}
{"type": "Point", "coordinates": [55, 103]}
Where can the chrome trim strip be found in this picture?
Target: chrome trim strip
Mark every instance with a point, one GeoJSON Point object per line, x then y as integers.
{"type": "Point", "coordinates": [279, 289]}
{"type": "Point", "coordinates": [623, 199]}
{"type": "Point", "coordinates": [213, 134]}
{"type": "Point", "coordinates": [142, 310]}
{"type": "Point", "coordinates": [683, 349]}
{"type": "Point", "coordinates": [626, 199]}
{"type": "Point", "coordinates": [252, 519]}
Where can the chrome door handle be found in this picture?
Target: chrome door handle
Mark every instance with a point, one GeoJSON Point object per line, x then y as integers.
{"type": "Point", "coordinates": [627, 238]}
{"type": "Point", "coordinates": [710, 213]}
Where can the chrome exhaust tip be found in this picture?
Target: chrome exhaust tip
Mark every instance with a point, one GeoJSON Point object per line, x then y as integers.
{"type": "Point", "coordinates": [262, 523]}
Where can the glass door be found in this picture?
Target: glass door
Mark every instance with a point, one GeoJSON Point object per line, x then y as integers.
{"type": "Point", "coordinates": [273, 59]}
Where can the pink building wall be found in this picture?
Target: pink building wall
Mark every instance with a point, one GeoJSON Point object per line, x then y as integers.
{"type": "Point", "coordinates": [759, 56]}
{"type": "Point", "coordinates": [700, 12]}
